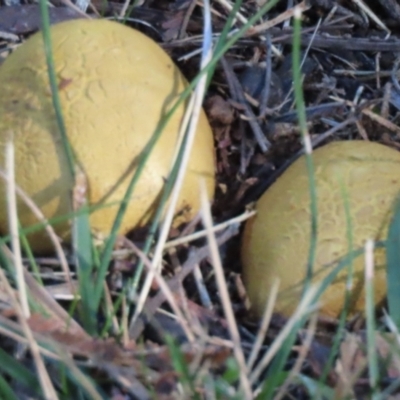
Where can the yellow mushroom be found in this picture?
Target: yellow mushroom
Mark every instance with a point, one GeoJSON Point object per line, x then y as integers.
{"type": "Point", "coordinates": [363, 176]}
{"type": "Point", "coordinates": [115, 85]}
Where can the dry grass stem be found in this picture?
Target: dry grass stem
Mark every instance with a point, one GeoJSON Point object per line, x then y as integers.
{"type": "Point", "coordinates": [259, 29]}
{"type": "Point", "coordinates": [44, 378]}
{"type": "Point", "coordinates": [13, 227]}
{"type": "Point", "coordinates": [202, 288]}
{"type": "Point", "coordinates": [265, 321]}
{"type": "Point", "coordinates": [304, 349]}
{"type": "Point", "coordinates": [165, 226]}
{"type": "Point", "coordinates": [167, 292]}
{"type": "Point", "coordinates": [192, 116]}
{"type": "Point", "coordinates": [203, 233]}
{"type": "Point", "coordinates": [110, 309]}
{"type": "Point", "coordinates": [382, 121]}
{"type": "Point", "coordinates": [49, 229]}
{"type": "Point", "coordinates": [302, 310]}
{"type": "Point", "coordinates": [14, 331]}
{"type": "Point", "coordinates": [372, 15]}
{"type": "Point", "coordinates": [224, 296]}
{"type": "Point", "coordinates": [81, 378]}
{"type": "Point", "coordinates": [229, 6]}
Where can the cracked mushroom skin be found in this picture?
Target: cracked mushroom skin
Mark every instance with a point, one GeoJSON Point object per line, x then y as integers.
{"type": "Point", "coordinates": [115, 85]}
{"type": "Point", "coordinates": [360, 175]}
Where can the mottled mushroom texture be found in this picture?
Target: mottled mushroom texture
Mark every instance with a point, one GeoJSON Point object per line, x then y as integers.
{"type": "Point", "coordinates": [115, 85]}
{"type": "Point", "coordinates": [363, 175]}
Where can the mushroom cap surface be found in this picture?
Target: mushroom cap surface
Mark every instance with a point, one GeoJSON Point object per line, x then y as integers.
{"type": "Point", "coordinates": [363, 177]}
{"type": "Point", "coordinates": [115, 85]}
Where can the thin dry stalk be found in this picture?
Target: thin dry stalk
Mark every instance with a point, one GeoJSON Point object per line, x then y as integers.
{"type": "Point", "coordinates": [311, 43]}
{"type": "Point", "coordinates": [165, 227]}
{"type": "Point", "coordinates": [194, 118]}
{"type": "Point", "coordinates": [361, 131]}
{"type": "Point", "coordinates": [49, 229]}
{"type": "Point", "coordinates": [391, 325]}
{"type": "Point", "coordinates": [258, 29]}
{"type": "Point", "coordinates": [224, 295]}
{"type": "Point", "coordinates": [371, 14]}
{"type": "Point", "coordinates": [265, 321]}
{"type": "Point", "coordinates": [81, 378]}
{"type": "Point", "coordinates": [387, 92]}
{"type": "Point", "coordinates": [200, 234]}
{"type": "Point", "coordinates": [300, 359]}
{"type": "Point", "coordinates": [393, 329]}
{"type": "Point", "coordinates": [13, 227]}
{"type": "Point", "coordinates": [125, 321]}
{"type": "Point", "coordinates": [229, 7]}
{"type": "Point", "coordinates": [166, 290]}
{"type": "Point", "coordinates": [70, 4]}
{"type": "Point", "coordinates": [346, 382]}
{"type": "Point", "coordinates": [186, 19]}
{"type": "Point", "coordinates": [195, 365]}
{"type": "Point", "coordinates": [382, 121]}
{"type": "Point", "coordinates": [109, 307]}
{"type": "Point", "coordinates": [303, 309]}
{"type": "Point", "coordinates": [129, 383]}
{"type": "Point", "coordinates": [44, 297]}
{"type": "Point", "coordinates": [125, 7]}
{"type": "Point", "coordinates": [44, 378]}
{"type": "Point", "coordinates": [195, 256]}
{"type": "Point", "coordinates": [307, 144]}
{"type": "Point", "coordinates": [14, 331]}
{"type": "Point", "coordinates": [202, 288]}
{"type": "Point", "coordinates": [202, 381]}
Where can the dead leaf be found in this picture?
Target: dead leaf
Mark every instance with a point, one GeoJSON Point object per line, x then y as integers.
{"type": "Point", "coordinates": [219, 110]}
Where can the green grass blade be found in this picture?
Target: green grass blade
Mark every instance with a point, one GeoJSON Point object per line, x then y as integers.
{"type": "Point", "coordinates": [180, 366]}
{"type": "Point", "coordinates": [301, 115]}
{"type": "Point", "coordinates": [60, 219]}
{"type": "Point", "coordinates": [343, 315]}
{"type": "Point", "coordinates": [82, 244]}
{"type": "Point", "coordinates": [276, 374]}
{"type": "Point", "coordinates": [44, 12]}
{"type": "Point", "coordinates": [116, 306]}
{"type": "Point", "coordinates": [28, 251]}
{"type": "Point", "coordinates": [343, 263]}
{"type": "Point", "coordinates": [81, 226]}
{"type": "Point", "coordinates": [5, 262]}
{"type": "Point", "coordinates": [316, 389]}
{"type": "Point", "coordinates": [84, 385]}
{"type": "Point", "coordinates": [393, 266]}
{"type": "Point", "coordinates": [15, 370]}
{"type": "Point", "coordinates": [5, 390]}
{"type": "Point", "coordinates": [223, 385]}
